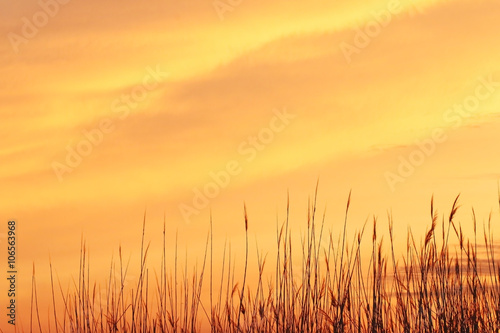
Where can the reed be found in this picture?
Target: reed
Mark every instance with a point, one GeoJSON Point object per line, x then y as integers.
{"type": "Point", "coordinates": [433, 286]}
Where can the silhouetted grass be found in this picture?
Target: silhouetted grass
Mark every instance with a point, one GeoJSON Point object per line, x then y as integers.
{"type": "Point", "coordinates": [432, 287]}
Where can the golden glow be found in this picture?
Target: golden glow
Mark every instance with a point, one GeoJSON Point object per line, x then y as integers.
{"type": "Point", "coordinates": [356, 115]}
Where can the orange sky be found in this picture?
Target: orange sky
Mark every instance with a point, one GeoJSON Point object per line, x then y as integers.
{"type": "Point", "coordinates": [171, 92]}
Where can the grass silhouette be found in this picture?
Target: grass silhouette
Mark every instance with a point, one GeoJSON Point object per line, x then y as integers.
{"type": "Point", "coordinates": [433, 287]}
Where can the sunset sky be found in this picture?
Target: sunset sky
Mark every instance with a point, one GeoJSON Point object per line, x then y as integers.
{"type": "Point", "coordinates": [112, 110]}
